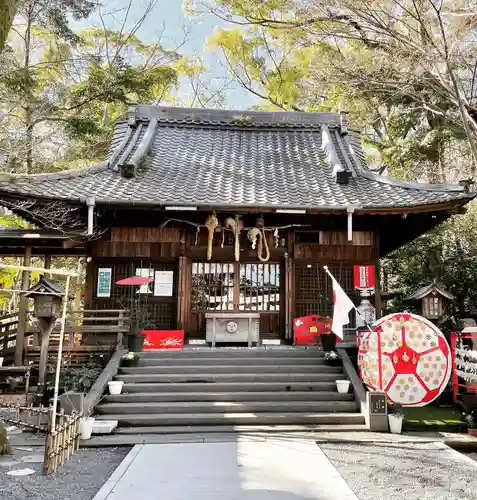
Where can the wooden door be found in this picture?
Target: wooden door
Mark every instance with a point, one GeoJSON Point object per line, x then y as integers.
{"type": "Point", "coordinates": [238, 287]}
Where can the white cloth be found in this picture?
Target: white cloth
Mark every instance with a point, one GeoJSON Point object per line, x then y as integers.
{"type": "Point", "coordinates": [343, 305]}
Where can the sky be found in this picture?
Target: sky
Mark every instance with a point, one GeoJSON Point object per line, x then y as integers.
{"type": "Point", "coordinates": [168, 17]}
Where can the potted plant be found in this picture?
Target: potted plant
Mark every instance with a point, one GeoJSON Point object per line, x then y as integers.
{"type": "Point", "coordinates": [115, 387]}
{"type": "Point", "coordinates": [342, 386]}
{"type": "Point", "coordinates": [471, 421]}
{"type": "Point", "coordinates": [140, 320]}
{"type": "Point", "coordinates": [130, 359]}
{"type": "Point", "coordinates": [395, 418]}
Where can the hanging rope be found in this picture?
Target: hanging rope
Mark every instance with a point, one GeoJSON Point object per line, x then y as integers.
{"type": "Point", "coordinates": [234, 225]}
{"type": "Point", "coordinates": [211, 223]}
{"type": "Point", "coordinates": [255, 234]}
{"type": "Point", "coordinates": [262, 242]}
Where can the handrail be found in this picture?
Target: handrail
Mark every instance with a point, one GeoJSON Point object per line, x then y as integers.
{"type": "Point", "coordinates": [97, 390]}
{"type": "Point", "coordinates": [358, 387]}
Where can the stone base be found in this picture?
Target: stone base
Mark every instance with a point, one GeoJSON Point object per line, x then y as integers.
{"type": "Point", "coordinates": [104, 426]}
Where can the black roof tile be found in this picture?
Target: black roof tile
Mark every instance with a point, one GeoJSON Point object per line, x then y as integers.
{"type": "Point", "coordinates": [236, 159]}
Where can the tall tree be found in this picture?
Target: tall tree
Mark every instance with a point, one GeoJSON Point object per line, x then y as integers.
{"type": "Point", "coordinates": [408, 67]}
{"type": "Point", "coordinates": [62, 90]}
{"type": "Point", "coordinates": [7, 13]}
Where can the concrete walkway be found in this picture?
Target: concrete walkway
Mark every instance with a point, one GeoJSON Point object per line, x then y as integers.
{"type": "Point", "coordinates": [241, 470]}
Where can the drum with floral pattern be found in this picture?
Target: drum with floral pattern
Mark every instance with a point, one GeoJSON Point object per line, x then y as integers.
{"type": "Point", "coordinates": [407, 357]}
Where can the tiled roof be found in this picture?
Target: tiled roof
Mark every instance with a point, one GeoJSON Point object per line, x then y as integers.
{"type": "Point", "coordinates": [209, 158]}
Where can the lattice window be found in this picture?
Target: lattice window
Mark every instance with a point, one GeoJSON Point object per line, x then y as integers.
{"type": "Point", "coordinates": [216, 287]}
{"type": "Point", "coordinates": [314, 291]}
{"type": "Point", "coordinates": [212, 287]}
{"type": "Point", "coordinates": [259, 287]}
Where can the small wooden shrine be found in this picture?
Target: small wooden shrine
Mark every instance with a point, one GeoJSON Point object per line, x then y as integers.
{"type": "Point", "coordinates": [228, 212]}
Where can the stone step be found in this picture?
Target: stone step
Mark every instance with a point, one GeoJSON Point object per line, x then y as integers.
{"type": "Point", "coordinates": [244, 407]}
{"type": "Point", "coordinates": [231, 369]}
{"type": "Point", "coordinates": [246, 429]}
{"type": "Point", "coordinates": [189, 387]}
{"type": "Point", "coordinates": [279, 418]}
{"type": "Point", "coordinates": [230, 361]}
{"type": "Point", "coordinates": [206, 377]}
{"type": "Point", "coordinates": [151, 397]}
{"type": "Point", "coordinates": [257, 352]}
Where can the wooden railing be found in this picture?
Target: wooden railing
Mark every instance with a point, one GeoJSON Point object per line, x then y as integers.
{"type": "Point", "coordinates": [8, 334]}
{"type": "Point", "coordinates": [91, 327]}
{"type": "Point", "coordinates": [87, 330]}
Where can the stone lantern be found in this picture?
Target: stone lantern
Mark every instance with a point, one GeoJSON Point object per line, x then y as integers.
{"type": "Point", "coordinates": [434, 300]}
{"type": "Point", "coordinates": [47, 297]}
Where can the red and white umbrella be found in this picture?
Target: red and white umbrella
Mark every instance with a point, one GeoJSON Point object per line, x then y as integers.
{"type": "Point", "coordinates": [134, 280]}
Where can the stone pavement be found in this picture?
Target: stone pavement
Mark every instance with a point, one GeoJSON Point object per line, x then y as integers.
{"type": "Point", "coordinates": [242, 470]}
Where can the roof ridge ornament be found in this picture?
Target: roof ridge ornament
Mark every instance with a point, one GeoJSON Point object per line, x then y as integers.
{"type": "Point", "coordinates": [340, 173]}
{"type": "Point", "coordinates": [343, 122]}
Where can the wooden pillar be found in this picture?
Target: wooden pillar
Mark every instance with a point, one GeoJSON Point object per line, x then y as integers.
{"type": "Point", "coordinates": [23, 310]}
{"type": "Point", "coordinates": [46, 327]}
{"type": "Point", "coordinates": [89, 284]}
{"type": "Point", "coordinates": [183, 295]}
{"type": "Point", "coordinates": [48, 261]}
{"type": "Point", "coordinates": [289, 298]}
{"type": "Point", "coordinates": [378, 303]}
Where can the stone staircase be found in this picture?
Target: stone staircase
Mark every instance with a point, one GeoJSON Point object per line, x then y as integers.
{"type": "Point", "coordinates": [223, 390]}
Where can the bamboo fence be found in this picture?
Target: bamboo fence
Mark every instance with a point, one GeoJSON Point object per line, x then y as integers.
{"type": "Point", "coordinates": [61, 442]}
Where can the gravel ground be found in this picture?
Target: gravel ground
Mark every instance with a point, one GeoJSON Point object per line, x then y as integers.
{"type": "Point", "coordinates": [79, 479]}
{"type": "Point", "coordinates": [408, 471]}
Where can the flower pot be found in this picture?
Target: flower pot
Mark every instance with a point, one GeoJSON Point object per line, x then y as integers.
{"type": "Point", "coordinates": [115, 387]}
{"type": "Point", "coordinates": [86, 427]}
{"type": "Point", "coordinates": [136, 342]}
{"type": "Point", "coordinates": [342, 386]}
{"type": "Point", "coordinates": [472, 432]}
{"type": "Point", "coordinates": [395, 423]}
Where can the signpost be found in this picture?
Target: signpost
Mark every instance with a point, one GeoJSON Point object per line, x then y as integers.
{"type": "Point", "coordinates": [58, 272]}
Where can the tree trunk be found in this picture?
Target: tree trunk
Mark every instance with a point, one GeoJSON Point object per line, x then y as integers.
{"type": "Point", "coordinates": [7, 13]}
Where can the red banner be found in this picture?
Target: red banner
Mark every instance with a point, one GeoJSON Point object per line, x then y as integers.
{"type": "Point", "coordinates": [163, 339]}
{"type": "Point", "coordinates": [364, 278]}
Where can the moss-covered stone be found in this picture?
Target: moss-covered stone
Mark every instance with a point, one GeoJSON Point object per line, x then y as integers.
{"type": "Point", "coordinates": [4, 444]}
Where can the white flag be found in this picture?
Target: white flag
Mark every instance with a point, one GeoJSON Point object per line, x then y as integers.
{"type": "Point", "coordinates": [342, 306]}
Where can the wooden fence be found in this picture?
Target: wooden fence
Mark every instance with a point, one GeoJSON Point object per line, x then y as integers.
{"type": "Point", "coordinates": [29, 417]}
{"type": "Point", "coordinates": [62, 442]}
{"type": "Point", "coordinates": [86, 332]}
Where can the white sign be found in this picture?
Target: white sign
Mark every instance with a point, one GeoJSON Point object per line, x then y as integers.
{"type": "Point", "coordinates": [163, 283]}
{"type": "Point", "coordinates": [104, 282]}
{"type": "Point", "coordinates": [145, 272]}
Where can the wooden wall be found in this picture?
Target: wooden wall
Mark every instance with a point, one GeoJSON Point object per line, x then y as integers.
{"type": "Point", "coordinates": [178, 247]}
